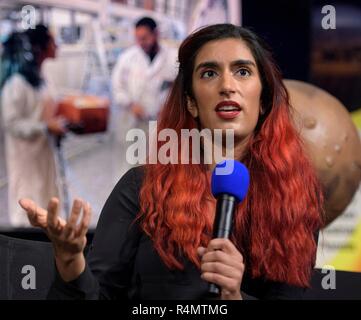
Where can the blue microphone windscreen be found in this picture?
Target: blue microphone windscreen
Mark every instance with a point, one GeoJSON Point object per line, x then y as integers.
{"type": "Point", "coordinates": [230, 177]}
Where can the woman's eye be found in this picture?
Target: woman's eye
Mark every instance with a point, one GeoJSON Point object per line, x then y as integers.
{"type": "Point", "coordinates": [244, 72]}
{"type": "Point", "coordinates": [208, 74]}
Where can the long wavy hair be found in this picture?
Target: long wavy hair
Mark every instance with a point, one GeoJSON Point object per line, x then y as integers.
{"type": "Point", "coordinates": [275, 225]}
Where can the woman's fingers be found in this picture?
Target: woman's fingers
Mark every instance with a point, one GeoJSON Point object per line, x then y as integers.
{"type": "Point", "coordinates": [222, 244]}
{"type": "Point", "coordinates": [37, 216]}
{"type": "Point", "coordinates": [222, 250]}
{"type": "Point", "coordinates": [54, 224]}
{"type": "Point", "coordinates": [224, 269]}
{"type": "Point", "coordinates": [230, 285]}
{"type": "Point", "coordinates": [222, 264]}
{"type": "Point", "coordinates": [85, 221]}
{"type": "Point", "coordinates": [234, 260]}
{"type": "Point", "coordinates": [201, 251]}
{"type": "Point", "coordinates": [27, 204]}
{"type": "Point", "coordinates": [73, 219]}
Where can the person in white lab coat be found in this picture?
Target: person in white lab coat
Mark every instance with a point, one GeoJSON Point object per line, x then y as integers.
{"type": "Point", "coordinates": [144, 73]}
{"type": "Point", "coordinates": [141, 80]}
{"type": "Point", "coordinates": [28, 116]}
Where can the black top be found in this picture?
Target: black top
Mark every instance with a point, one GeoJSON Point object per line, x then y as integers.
{"type": "Point", "coordinates": [122, 262]}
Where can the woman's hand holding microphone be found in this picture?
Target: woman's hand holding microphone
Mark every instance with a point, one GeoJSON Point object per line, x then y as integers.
{"type": "Point", "coordinates": [223, 265]}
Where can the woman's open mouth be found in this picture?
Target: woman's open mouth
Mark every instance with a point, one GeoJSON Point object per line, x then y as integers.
{"type": "Point", "coordinates": [228, 109]}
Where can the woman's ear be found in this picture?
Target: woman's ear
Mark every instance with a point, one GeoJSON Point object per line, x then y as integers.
{"type": "Point", "coordinates": [192, 107]}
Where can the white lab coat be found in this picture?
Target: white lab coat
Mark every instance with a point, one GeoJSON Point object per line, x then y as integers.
{"type": "Point", "coordinates": [29, 155]}
{"type": "Point", "coordinates": [137, 80]}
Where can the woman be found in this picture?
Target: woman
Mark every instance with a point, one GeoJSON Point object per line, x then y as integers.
{"type": "Point", "coordinates": [28, 115]}
{"type": "Point", "coordinates": [153, 236]}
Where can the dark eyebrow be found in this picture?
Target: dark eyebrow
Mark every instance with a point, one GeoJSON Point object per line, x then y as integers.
{"type": "Point", "coordinates": [207, 64]}
{"type": "Point", "coordinates": [243, 62]}
{"type": "Point", "coordinates": [214, 64]}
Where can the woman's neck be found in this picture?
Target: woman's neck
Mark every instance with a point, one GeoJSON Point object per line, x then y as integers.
{"type": "Point", "coordinates": [237, 152]}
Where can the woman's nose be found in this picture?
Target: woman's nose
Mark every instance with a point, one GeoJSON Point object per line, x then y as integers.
{"type": "Point", "coordinates": [227, 85]}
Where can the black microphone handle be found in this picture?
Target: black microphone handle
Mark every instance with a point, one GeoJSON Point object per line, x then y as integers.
{"type": "Point", "coordinates": [222, 227]}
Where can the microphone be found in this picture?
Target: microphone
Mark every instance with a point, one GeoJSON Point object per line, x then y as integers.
{"type": "Point", "coordinates": [230, 182]}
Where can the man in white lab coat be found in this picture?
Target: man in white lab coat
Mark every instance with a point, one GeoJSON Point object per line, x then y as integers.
{"type": "Point", "coordinates": [144, 73]}
{"type": "Point", "coordinates": [141, 79]}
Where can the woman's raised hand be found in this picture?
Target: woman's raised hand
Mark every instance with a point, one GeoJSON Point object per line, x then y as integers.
{"type": "Point", "coordinates": [68, 237]}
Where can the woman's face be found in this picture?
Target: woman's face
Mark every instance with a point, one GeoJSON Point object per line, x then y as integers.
{"type": "Point", "coordinates": [226, 87]}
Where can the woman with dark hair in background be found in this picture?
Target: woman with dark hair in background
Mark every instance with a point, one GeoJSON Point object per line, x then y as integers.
{"type": "Point", "coordinates": [28, 115]}
{"type": "Point", "coordinates": [153, 239]}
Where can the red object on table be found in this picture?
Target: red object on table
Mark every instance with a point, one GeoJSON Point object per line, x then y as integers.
{"type": "Point", "coordinates": [88, 113]}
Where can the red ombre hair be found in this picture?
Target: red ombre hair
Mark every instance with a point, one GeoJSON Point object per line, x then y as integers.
{"type": "Point", "coordinates": [275, 225]}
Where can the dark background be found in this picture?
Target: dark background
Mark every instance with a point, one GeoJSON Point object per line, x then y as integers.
{"type": "Point", "coordinates": [330, 59]}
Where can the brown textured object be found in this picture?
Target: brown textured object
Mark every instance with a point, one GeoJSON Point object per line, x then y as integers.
{"type": "Point", "coordinates": [90, 113]}
{"type": "Point", "coordinates": [332, 141]}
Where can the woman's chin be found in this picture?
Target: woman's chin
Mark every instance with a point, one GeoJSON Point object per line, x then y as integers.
{"type": "Point", "coordinates": [233, 129]}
